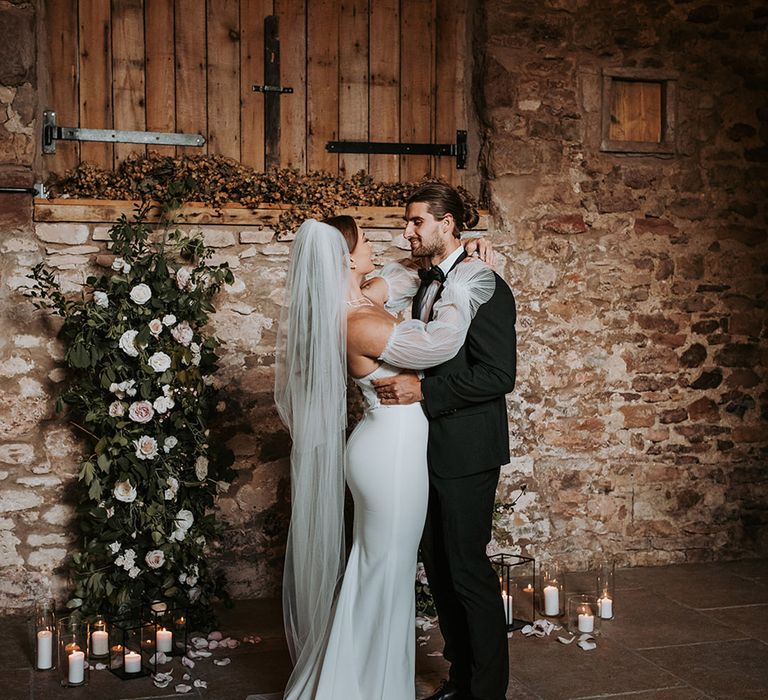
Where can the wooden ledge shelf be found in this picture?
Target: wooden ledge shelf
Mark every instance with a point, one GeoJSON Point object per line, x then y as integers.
{"type": "Point", "coordinates": [99, 211]}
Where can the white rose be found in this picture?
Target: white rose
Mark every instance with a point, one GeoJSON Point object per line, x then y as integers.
{"type": "Point", "coordinates": [159, 362]}
{"type": "Point", "coordinates": [163, 404]}
{"type": "Point", "coordinates": [129, 387]}
{"type": "Point", "coordinates": [195, 348]}
{"type": "Point", "coordinates": [177, 535]}
{"type": "Point", "coordinates": [126, 343]}
{"type": "Point", "coordinates": [183, 333]}
{"type": "Point", "coordinates": [140, 294]}
{"type": "Point", "coordinates": [133, 572]}
{"type": "Point", "coordinates": [191, 580]}
{"type": "Point", "coordinates": [172, 489]}
{"type": "Point", "coordinates": [101, 299]}
{"type": "Point", "coordinates": [169, 443]}
{"type": "Point", "coordinates": [114, 547]}
{"type": "Point", "coordinates": [120, 560]}
{"type": "Point", "coordinates": [169, 320]}
{"type": "Point", "coordinates": [117, 264]}
{"type": "Point", "coordinates": [155, 559]}
{"type": "Point", "coordinates": [126, 267]}
{"type": "Point", "coordinates": [116, 409]}
{"type": "Point", "coordinates": [141, 411]}
{"type": "Point", "coordinates": [184, 278]}
{"type": "Point", "coordinates": [146, 447]}
{"type": "Point", "coordinates": [167, 391]}
{"type": "Point", "coordinates": [124, 492]}
{"type": "Point", "coordinates": [184, 519]}
{"type": "Point", "coordinates": [156, 327]}
{"type": "Point", "coordinates": [201, 468]}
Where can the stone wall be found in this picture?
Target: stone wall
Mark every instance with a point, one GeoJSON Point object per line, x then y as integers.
{"type": "Point", "coordinates": [639, 419]}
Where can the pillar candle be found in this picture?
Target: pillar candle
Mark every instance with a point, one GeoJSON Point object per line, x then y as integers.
{"type": "Point", "coordinates": [164, 640]}
{"type": "Point", "coordinates": [76, 662]}
{"type": "Point", "coordinates": [605, 607]}
{"type": "Point", "coordinates": [586, 622]}
{"type": "Point", "coordinates": [507, 600]}
{"type": "Point", "coordinates": [44, 649]}
{"type": "Point", "coordinates": [132, 662]}
{"type": "Point", "coordinates": [551, 600]}
{"type": "Point", "coordinates": [99, 643]}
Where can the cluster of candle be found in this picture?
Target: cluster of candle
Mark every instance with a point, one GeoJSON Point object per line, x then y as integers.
{"type": "Point", "coordinates": [75, 664]}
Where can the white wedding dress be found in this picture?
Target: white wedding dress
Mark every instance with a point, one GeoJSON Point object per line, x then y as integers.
{"type": "Point", "coordinates": [357, 641]}
{"type": "Point", "coordinates": [370, 651]}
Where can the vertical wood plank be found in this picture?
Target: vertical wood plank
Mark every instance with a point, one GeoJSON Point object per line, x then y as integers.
{"type": "Point", "coordinates": [224, 78]}
{"type": "Point", "coordinates": [322, 83]}
{"type": "Point", "coordinates": [61, 20]}
{"type": "Point", "coordinates": [384, 90]}
{"type": "Point", "coordinates": [293, 72]}
{"type": "Point", "coordinates": [95, 78]}
{"type": "Point", "coordinates": [128, 72]}
{"type": "Point", "coordinates": [252, 14]}
{"type": "Point", "coordinates": [416, 70]}
{"type": "Point", "coordinates": [353, 82]}
{"type": "Point", "coordinates": [191, 76]}
{"type": "Point", "coordinates": [160, 87]}
{"type": "Point", "coordinates": [450, 61]}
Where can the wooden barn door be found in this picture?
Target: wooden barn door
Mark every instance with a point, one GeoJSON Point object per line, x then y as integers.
{"type": "Point", "coordinates": [360, 70]}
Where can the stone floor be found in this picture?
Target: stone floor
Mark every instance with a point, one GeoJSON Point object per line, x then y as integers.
{"type": "Point", "coordinates": [680, 633]}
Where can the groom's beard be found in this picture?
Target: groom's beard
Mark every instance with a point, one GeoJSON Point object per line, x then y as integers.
{"type": "Point", "coordinates": [429, 250]}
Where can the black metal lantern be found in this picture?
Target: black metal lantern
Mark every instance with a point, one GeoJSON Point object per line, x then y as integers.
{"type": "Point", "coordinates": [131, 646]}
{"type": "Point", "coordinates": [171, 625]}
{"type": "Point", "coordinates": [517, 576]}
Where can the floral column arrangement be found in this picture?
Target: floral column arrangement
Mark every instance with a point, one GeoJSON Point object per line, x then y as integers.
{"type": "Point", "coordinates": [141, 392]}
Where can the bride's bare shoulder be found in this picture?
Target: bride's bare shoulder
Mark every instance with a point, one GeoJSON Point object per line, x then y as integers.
{"type": "Point", "coordinates": [368, 329]}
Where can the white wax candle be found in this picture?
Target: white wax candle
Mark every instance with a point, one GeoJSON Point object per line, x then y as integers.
{"type": "Point", "coordinates": [605, 607]}
{"type": "Point", "coordinates": [164, 640]}
{"type": "Point", "coordinates": [586, 622]}
{"type": "Point", "coordinates": [551, 600]}
{"type": "Point", "coordinates": [132, 662]}
{"type": "Point", "coordinates": [76, 667]}
{"type": "Point", "coordinates": [44, 649]}
{"type": "Point", "coordinates": [507, 600]}
{"type": "Point", "coordinates": [99, 643]}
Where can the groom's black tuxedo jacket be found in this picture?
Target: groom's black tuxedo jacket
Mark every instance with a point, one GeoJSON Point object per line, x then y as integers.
{"type": "Point", "coordinates": [464, 397]}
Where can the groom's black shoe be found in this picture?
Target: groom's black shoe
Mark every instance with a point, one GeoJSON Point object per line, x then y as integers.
{"type": "Point", "coordinates": [448, 691]}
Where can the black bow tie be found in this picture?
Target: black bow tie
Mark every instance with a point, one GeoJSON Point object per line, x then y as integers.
{"type": "Point", "coordinates": [433, 273]}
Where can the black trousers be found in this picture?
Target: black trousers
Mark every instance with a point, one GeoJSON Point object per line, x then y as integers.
{"type": "Point", "coordinates": [464, 584]}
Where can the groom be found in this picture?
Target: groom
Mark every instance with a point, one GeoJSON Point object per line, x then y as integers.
{"type": "Point", "coordinates": [468, 442]}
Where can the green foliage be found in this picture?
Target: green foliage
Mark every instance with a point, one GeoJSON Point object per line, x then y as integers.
{"type": "Point", "coordinates": [140, 389]}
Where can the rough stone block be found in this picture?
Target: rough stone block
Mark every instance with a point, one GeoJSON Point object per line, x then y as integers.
{"type": "Point", "coordinates": [565, 224]}
{"type": "Point", "coordinates": [218, 238]}
{"type": "Point", "coordinates": [638, 416]}
{"type": "Point", "coordinates": [66, 233]}
{"type": "Point", "coordinates": [656, 227]}
{"type": "Point", "coordinates": [17, 453]}
{"type": "Point", "coordinates": [739, 355]}
{"type": "Point", "coordinates": [257, 235]}
{"type": "Point", "coordinates": [704, 409]}
{"type": "Point", "coordinates": [11, 501]}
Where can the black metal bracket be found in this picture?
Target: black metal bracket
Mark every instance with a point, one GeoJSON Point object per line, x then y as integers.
{"type": "Point", "coordinates": [38, 190]}
{"type": "Point", "coordinates": [271, 88]}
{"type": "Point", "coordinates": [458, 150]}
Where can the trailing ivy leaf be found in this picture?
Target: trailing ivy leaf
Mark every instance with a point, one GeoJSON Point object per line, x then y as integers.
{"type": "Point", "coordinates": [94, 492]}
{"type": "Point", "coordinates": [103, 462]}
{"type": "Point", "coordinates": [87, 473]}
{"type": "Point", "coordinates": [79, 357]}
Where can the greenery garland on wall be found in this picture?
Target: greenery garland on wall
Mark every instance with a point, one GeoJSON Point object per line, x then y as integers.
{"type": "Point", "coordinates": [140, 390]}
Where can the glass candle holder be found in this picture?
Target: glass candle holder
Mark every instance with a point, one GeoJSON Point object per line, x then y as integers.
{"type": "Point", "coordinates": [583, 617]}
{"type": "Point", "coordinates": [73, 652]}
{"type": "Point", "coordinates": [131, 646]}
{"type": "Point", "coordinates": [606, 592]}
{"type": "Point", "coordinates": [170, 625]}
{"type": "Point", "coordinates": [45, 634]}
{"type": "Point", "coordinates": [99, 637]}
{"type": "Point", "coordinates": [551, 590]}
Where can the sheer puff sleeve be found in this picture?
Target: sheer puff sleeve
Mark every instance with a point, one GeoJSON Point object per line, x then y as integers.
{"type": "Point", "coordinates": [402, 285]}
{"type": "Point", "coordinates": [417, 345]}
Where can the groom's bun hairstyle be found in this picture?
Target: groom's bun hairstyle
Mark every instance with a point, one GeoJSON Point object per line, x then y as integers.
{"type": "Point", "coordinates": [347, 227]}
{"type": "Point", "coordinates": [443, 199]}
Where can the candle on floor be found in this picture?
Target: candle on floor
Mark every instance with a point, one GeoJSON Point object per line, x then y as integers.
{"type": "Point", "coordinates": [507, 600]}
{"type": "Point", "coordinates": [586, 621]}
{"type": "Point", "coordinates": [132, 662]}
{"type": "Point", "coordinates": [76, 673]}
{"type": "Point", "coordinates": [605, 607]}
{"type": "Point", "coordinates": [164, 640]}
{"type": "Point", "coordinates": [99, 643]}
{"type": "Point", "coordinates": [551, 600]}
{"type": "Point", "coordinates": [44, 649]}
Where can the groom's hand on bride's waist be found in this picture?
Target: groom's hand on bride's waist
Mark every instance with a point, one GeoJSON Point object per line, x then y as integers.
{"type": "Point", "coordinates": [400, 389]}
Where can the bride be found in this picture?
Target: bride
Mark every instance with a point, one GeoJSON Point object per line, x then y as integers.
{"type": "Point", "coordinates": [350, 630]}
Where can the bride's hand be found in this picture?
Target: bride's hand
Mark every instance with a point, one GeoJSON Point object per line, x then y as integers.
{"type": "Point", "coordinates": [480, 248]}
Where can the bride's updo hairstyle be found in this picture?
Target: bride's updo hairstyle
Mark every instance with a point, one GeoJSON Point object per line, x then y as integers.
{"type": "Point", "coordinates": [443, 199]}
{"type": "Point", "coordinates": [347, 227]}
